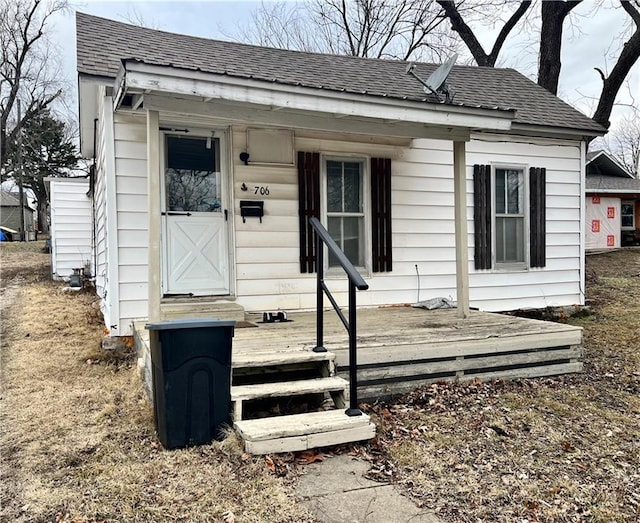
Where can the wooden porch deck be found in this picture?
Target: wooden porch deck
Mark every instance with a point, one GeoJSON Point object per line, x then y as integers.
{"type": "Point", "coordinates": [401, 348]}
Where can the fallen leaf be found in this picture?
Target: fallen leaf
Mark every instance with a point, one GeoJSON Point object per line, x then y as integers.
{"type": "Point", "coordinates": [309, 456]}
{"type": "Point", "coordinates": [270, 464]}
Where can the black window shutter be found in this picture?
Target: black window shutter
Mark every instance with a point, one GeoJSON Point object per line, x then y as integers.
{"type": "Point", "coordinates": [482, 216]}
{"type": "Point", "coordinates": [537, 216]}
{"type": "Point", "coordinates": [382, 259]}
{"type": "Point", "coordinates": [308, 206]}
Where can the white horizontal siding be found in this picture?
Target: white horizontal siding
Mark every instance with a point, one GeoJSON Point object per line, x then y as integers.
{"type": "Point", "coordinates": [267, 272]}
{"type": "Point", "coordinates": [100, 212]}
{"type": "Point", "coordinates": [558, 283]}
{"type": "Point", "coordinates": [132, 201]}
{"type": "Point", "coordinates": [423, 228]}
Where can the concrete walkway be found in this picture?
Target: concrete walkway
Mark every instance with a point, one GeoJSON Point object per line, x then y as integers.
{"type": "Point", "coordinates": [336, 491]}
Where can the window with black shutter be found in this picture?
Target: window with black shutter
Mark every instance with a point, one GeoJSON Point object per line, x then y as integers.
{"type": "Point", "coordinates": [348, 208]}
{"type": "Point", "coordinates": [500, 220]}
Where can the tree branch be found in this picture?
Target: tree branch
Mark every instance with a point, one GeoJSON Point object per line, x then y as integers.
{"type": "Point", "coordinates": [465, 32]}
{"type": "Point", "coordinates": [506, 29]}
{"type": "Point", "coordinates": [628, 57]}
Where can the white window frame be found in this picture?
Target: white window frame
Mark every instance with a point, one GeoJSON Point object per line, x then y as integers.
{"type": "Point", "coordinates": [631, 227]}
{"type": "Point", "coordinates": [511, 266]}
{"type": "Point", "coordinates": [366, 207]}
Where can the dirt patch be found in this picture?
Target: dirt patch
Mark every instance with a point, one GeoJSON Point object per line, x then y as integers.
{"type": "Point", "coordinates": [560, 449]}
{"type": "Point", "coordinates": [77, 435]}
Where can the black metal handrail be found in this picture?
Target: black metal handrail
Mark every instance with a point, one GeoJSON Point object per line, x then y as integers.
{"type": "Point", "coordinates": [355, 282]}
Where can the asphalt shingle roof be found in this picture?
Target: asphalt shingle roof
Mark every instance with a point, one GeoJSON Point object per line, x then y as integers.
{"type": "Point", "coordinates": [103, 44]}
{"type": "Point", "coordinates": [599, 182]}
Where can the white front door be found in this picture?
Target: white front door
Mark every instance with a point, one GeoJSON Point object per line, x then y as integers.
{"type": "Point", "coordinates": [196, 257]}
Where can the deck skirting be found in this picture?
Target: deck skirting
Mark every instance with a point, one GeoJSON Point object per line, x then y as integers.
{"type": "Point", "coordinates": [387, 378]}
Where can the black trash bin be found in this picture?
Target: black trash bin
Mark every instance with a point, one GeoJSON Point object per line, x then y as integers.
{"type": "Point", "coordinates": [191, 379]}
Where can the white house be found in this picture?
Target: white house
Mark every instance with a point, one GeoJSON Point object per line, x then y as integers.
{"type": "Point", "coordinates": [70, 209]}
{"type": "Point", "coordinates": [612, 205]}
{"type": "Point", "coordinates": [210, 158]}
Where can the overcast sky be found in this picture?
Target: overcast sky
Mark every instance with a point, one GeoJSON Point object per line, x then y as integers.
{"type": "Point", "coordinates": [583, 49]}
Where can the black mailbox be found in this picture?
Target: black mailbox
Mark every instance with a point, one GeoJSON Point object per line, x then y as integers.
{"type": "Point", "coordinates": [251, 208]}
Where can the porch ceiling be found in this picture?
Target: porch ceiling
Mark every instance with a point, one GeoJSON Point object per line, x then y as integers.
{"type": "Point", "coordinates": [223, 112]}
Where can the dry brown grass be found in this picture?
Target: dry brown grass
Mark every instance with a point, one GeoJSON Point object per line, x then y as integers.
{"type": "Point", "coordinates": [561, 449]}
{"type": "Point", "coordinates": [26, 259]}
{"type": "Point", "coordinates": [76, 434]}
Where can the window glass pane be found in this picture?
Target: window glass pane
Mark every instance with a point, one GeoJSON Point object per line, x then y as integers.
{"type": "Point", "coordinates": [348, 234]}
{"type": "Point", "coordinates": [510, 240]}
{"type": "Point", "coordinates": [352, 241]}
{"type": "Point", "coordinates": [513, 194]}
{"type": "Point", "coordinates": [500, 181]}
{"type": "Point", "coordinates": [500, 240]}
{"type": "Point", "coordinates": [352, 189]}
{"type": "Point", "coordinates": [334, 186]}
{"type": "Point", "coordinates": [627, 215]}
{"type": "Point", "coordinates": [191, 177]}
{"type": "Point", "coordinates": [334, 226]}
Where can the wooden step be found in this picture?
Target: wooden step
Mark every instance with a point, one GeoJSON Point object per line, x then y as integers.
{"type": "Point", "coordinates": [303, 431]}
{"type": "Point", "coordinates": [242, 393]}
{"type": "Point", "coordinates": [243, 360]}
{"type": "Point", "coordinates": [178, 308]}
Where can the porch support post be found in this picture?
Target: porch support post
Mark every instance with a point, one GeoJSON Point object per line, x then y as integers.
{"type": "Point", "coordinates": [153, 191]}
{"type": "Point", "coordinates": [462, 251]}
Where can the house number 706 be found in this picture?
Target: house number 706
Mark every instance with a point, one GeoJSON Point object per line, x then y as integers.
{"type": "Point", "coordinates": [262, 190]}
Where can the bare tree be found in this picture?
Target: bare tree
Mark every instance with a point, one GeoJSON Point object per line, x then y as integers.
{"type": "Point", "coordinates": [553, 16]}
{"type": "Point", "coordinates": [628, 57]}
{"type": "Point", "coordinates": [26, 70]}
{"type": "Point", "coordinates": [398, 29]}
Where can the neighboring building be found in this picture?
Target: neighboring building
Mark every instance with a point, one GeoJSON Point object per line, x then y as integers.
{"type": "Point", "coordinates": [612, 203]}
{"type": "Point", "coordinates": [210, 158]}
{"type": "Point", "coordinates": [71, 226]}
{"type": "Point", "coordinates": [10, 216]}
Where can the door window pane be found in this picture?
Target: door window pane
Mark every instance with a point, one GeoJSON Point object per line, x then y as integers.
{"type": "Point", "coordinates": [192, 177]}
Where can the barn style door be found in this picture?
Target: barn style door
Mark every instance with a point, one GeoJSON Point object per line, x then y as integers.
{"type": "Point", "coordinates": [195, 257]}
